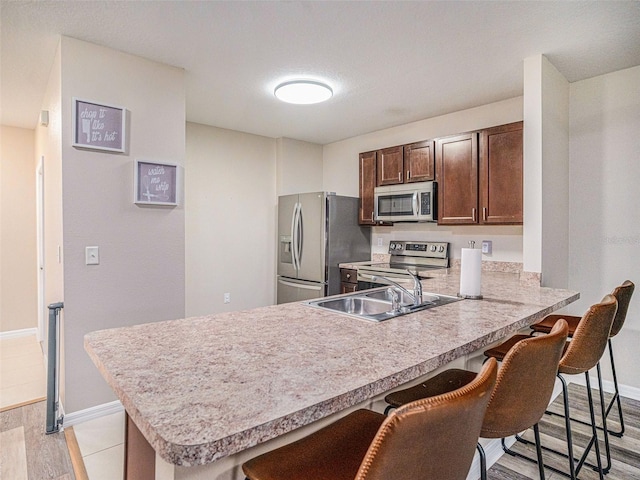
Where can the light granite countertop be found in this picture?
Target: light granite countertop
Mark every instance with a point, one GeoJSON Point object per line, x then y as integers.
{"type": "Point", "coordinates": [202, 388]}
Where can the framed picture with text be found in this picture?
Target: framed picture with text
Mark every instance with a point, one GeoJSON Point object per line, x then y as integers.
{"type": "Point", "coordinates": [98, 126]}
{"type": "Point", "coordinates": [155, 183]}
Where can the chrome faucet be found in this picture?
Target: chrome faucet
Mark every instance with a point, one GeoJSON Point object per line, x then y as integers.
{"type": "Point", "coordinates": [417, 287]}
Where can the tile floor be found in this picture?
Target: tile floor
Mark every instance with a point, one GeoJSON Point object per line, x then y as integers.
{"type": "Point", "coordinates": [22, 371]}
{"type": "Point", "coordinates": [101, 443]}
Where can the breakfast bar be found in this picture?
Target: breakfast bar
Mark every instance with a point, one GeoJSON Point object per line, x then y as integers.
{"type": "Point", "coordinates": [203, 394]}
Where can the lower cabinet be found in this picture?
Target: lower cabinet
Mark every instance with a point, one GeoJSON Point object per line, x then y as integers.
{"type": "Point", "coordinates": [348, 280]}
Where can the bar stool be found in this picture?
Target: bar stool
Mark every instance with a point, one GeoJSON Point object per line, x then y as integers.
{"type": "Point", "coordinates": [432, 439]}
{"type": "Point", "coordinates": [581, 354]}
{"type": "Point", "coordinates": [521, 395]}
{"type": "Point", "coordinates": [623, 294]}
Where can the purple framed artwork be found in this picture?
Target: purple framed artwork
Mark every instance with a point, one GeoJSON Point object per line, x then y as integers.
{"type": "Point", "coordinates": [98, 126]}
{"type": "Point", "coordinates": [155, 183]}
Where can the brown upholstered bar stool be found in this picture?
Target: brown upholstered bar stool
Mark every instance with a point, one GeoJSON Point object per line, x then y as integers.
{"type": "Point", "coordinates": [581, 354]}
{"type": "Point", "coordinates": [522, 392]}
{"type": "Point", "coordinates": [428, 439]}
{"type": "Point", "coordinates": [623, 294]}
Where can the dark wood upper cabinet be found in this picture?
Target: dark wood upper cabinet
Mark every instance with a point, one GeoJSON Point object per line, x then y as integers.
{"type": "Point", "coordinates": [367, 184]}
{"type": "Point", "coordinates": [501, 174]}
{"type": "Point", "coordinates": [418, 162]}
{"type": "Point", "coordinates": [389, 166]}
{"type": "Point", "coordinates": [457, 177]}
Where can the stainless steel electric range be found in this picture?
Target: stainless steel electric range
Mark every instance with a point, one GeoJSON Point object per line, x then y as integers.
{"type": "Point", "coordinates": [415, 257]}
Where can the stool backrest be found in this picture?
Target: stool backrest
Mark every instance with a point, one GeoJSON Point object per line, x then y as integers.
{"type": "Point", "coordinates": [623, 295]}
{"type": "Point", "coordinates": [590, 338]}
{"type": "Point", "coordinates": [525, 383]}
{"type": "Point", "coordinates": [433, 438]}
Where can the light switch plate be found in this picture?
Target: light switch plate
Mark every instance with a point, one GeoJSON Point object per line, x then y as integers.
{"type": "Point", "coordinates": [92, 255]}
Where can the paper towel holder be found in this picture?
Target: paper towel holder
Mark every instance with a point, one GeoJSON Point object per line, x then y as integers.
{"type": "Point", "coordinates": [472, 244]}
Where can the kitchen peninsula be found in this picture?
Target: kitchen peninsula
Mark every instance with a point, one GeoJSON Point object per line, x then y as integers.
{"type": "Point", "coordinates": [200, 393]}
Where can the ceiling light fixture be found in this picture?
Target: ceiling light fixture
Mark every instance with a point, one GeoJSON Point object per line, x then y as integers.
{"type": "Point", "coordinates": [303, 92]}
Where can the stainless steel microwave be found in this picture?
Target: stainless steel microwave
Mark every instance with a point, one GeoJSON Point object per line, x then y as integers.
{"type": "Point", "coordinates": [408, 202]}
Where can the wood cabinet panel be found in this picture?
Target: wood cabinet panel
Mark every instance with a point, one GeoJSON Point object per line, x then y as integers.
{"type": "Point", "coordinates": [390, 166]}
{"type": "Point", "coordinates": [501, 172]}
{"type": "Point", "coordinates": [419, 162]}
{"type": "Point", "coordinates": [457, 176]}
{"type": "Point", "coordinates": [367, 184]}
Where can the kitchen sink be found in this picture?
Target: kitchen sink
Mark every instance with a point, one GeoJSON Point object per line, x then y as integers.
{"type": "Point", "coordinates": [377, 305]}
{"type": "Point", "coordinates": [356, 305]}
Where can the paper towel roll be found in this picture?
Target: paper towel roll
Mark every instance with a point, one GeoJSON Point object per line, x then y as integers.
{"type": "Point", "coordinates": [470, 272]}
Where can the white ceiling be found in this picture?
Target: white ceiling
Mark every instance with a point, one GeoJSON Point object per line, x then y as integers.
{"type": "Point", "coordinates": [389, 63]}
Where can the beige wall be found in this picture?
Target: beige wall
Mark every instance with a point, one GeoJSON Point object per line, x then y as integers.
{"type": "Point", "coordinates": [340, 171]}
{"type": "Point", "coordinates": [140, 277]}
{"type": "Point", "coordinates": [546, 171]}
{"type": "Point", "coordinates": [18, 262]}
{"type": "Point", "coordinates": [230, 220]}
{"type": "Point", "coordinates": [604, 231]}
{"type": "Point", "coordinates": [298, 166]}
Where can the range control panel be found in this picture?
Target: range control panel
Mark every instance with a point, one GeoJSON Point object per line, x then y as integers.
{"type": "Point", "coordinates": [419, 249]}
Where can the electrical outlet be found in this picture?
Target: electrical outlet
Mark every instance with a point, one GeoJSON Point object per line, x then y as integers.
{"type": "Point", "coordinates": [487, 247]}
{"type": "Point", "coordinates": [227, 298]}
{"type": "Point", "coordinates": [379, 241]}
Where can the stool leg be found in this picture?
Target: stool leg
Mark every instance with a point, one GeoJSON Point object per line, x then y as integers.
{"type": "Point", "coordinates": [536, 432]}
{"type": "Point", "coordinates": [567, 423]}
{"type": "Point", "coordinates": [616, 396]}
{"type": "Point", "coordinates": [483, 462]}
{"type": "Point", "coordinates": [594, 430]}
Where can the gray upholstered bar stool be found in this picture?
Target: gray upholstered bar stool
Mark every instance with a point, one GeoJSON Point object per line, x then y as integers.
{"type": "Point", "coordinates": [623, 294]}
{"type": "Point", "coordinates": [521, 395]}
{"type": "Point", "coordinates": [581, 354]}
{"type": "Point", "coordinates": [431, 439]}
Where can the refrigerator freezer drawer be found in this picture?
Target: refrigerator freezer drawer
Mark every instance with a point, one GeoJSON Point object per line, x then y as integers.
{"type": "Point", "coordinates": [290, 290]}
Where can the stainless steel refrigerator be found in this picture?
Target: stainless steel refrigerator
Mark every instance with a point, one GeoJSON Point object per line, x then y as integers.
{"type": "Point", "coordinates": [316, 232]}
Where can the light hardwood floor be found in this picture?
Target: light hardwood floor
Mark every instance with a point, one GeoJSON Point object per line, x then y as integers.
{"type": "Point", "coordinates": [27, 452]}
{"type": "Point", "coordinates": [22, 372]}
{"type": "Point", "coordinates": [625, 451]}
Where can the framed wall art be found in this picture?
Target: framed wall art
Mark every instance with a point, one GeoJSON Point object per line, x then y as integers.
{"type": "Point", "coordinates": [155, 183]}
{"type": "Point", "coordinates": [98, 126]}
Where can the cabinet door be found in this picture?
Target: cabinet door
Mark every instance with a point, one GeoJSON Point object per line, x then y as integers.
{"type": "Point", "coordinates": [418, 162]}
{"type": "Point", "coordinates": [367, 184]}
{"type": "Point", "coordinates": [390, 166]}
{"type": "Point", "coordinates": [501, 174]}
{"type": "Point", "coordinates": [457, 176]}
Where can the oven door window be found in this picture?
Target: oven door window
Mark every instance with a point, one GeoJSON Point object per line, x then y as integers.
{"type": "Point", "coordinates": [395, 205]}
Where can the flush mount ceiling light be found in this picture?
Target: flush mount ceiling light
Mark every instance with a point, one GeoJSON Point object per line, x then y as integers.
{"type": "Point", "coordinates": [303, 92]}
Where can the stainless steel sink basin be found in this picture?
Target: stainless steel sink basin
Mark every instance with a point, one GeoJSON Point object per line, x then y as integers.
{"type": "Point", "coordinates": [376, 304]}
{"type": "Point", "coordinates": [356, 305]}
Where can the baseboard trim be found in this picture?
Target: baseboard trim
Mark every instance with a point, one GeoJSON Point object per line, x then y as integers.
{"type": "Point", "coordinates": [25, 332]}
{"type": "Point", "coordinates": [76, 456]}
{"type": "Point", "coordinates": [625, 391]}
{"type": "Point", "coordinates": [81, 416]}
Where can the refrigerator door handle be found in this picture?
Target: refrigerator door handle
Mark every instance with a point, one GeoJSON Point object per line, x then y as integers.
{"type": "Point", "coordinates": [301, 285]}
{"type": "Point", "coordinates": [300, 234]}
{"type": "Point", "coordinates": [294, 237]}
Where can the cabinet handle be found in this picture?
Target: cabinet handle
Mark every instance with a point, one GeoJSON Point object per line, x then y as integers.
{"type": "Point", "coordinates": [473, 214]}
{"type": "Point", "coordinates": [400, 176]}
{"type": "Point", "coordinates": [484, 214]}
{"type": "Point", "coordinates": [408, 174]}
{"type": "Point", "coordinates": [372, 216]}
{"type": "Point", "coordinates": [348, 276]}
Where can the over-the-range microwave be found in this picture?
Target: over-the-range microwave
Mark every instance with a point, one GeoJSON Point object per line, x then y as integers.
{"type": "Point", "coordinates": [407, 202]}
